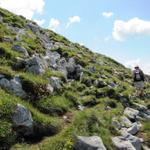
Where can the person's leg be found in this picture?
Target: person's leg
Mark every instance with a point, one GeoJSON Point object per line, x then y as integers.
{"type": "Point", "coordinates": [142, 89]}
{"type": "Point", "coordinates": [137, 89]}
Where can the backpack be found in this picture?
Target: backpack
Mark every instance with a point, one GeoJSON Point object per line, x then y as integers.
{"type": "Point", "coordinates": [138, 75]}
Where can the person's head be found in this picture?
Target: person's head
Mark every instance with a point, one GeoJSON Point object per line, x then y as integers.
{"type": "Point", "coordinates": [136, 67]}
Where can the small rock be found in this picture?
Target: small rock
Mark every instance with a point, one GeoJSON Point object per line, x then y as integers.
{"type": "Point", "coordinates": [1, 76]}
{"type": "Point", "coordinates": [7, 39]}
{"type": "Point", "coordinates": [55, 83]}
{"type": "Point", "coordinates": [89, 143]}
{"type": "Point", "coordinates": [50, 88]}
{"type": "Point", "coordinates": [121, 144]}
{"type": "Point", "coordinates": [131, 113]}
{"type": "Point", "coordinates": [20, 49]}
{"type": "Point", "coordinates": [134, 129]}
{"type": "Point", "coordinates": [100, 83]}
{"type": "Point", "coordinates": [127, 142]}
{"type": "Point", "coordinates": [80, 107]}
{"type": "Point", "coordinates": [125, 122]}
{"type": "Point", "coordinates": [145, 147]}
{"type": "Point", "coordinates": [34, 27]}
{"type": "Point", "coordinates": [116, 124]}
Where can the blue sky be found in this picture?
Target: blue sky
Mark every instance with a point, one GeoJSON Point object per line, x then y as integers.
{"type": "Point", "coordinates": [117, 28]}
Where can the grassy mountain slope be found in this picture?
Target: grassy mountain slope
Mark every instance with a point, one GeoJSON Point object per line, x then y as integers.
{"type": "Point", "coordinates": [102, 102]}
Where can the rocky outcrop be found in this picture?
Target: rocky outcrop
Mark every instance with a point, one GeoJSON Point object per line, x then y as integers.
{"type": "Point", "coordinates": [36, 64]}
{"type": "Point", "coordinates": [128, 126]}
{"type": "Point", "coordinates": [89, 143]}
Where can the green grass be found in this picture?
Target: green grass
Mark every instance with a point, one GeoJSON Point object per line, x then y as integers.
{"type": "Point", "coordinates": [85, 123]}
{"type": "Point", "coordinates": [6, 32]}
{"type": "Point", "coordinates": [49, 73]}
{"type": "Point", "coordinates": [146, 130]}
{"type": "Point", "coordinates": [12, 19]}
{"type": "Point", "coordinates": [32, 43]}
{"type": "Point", "coordinates": [8, 52]}
{"type": "Point", "coordinates": [55, 105]}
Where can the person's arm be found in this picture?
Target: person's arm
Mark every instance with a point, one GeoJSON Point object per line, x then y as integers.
{"type": "Point", "coordinates": [142, 74]}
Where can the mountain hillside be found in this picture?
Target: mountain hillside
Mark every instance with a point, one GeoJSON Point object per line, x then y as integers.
{"type": "Point", "coordinates": [59, 95]}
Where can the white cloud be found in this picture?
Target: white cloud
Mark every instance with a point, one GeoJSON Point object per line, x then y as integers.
{"type": "Point", "coordinates": [73, 19]}
{"type": "Point", "coordinates": [133, 27]}
{"type": "Point", "coordinates": [107, 14]}
{"type": "Point", "coordinates": [26, 8]}
{"type": "Point", "coordinates": [39, 22]}
{"type": "Point", "coordinates": [54, 24]}
{"type": "Point", "coordinates": [145, 66]}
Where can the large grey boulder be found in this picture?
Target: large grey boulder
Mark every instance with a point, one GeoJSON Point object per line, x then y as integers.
{"type": "Point", "coordinates": [13, 85]}
{"type": "Point", "coordinates": [62, 63]}
{"type": "Point", "coordinates": [22, 120]}
{"type": "Point", "coordinates": [46, 41]}
{"type": "Point", "coordinates": [5, 83]}
{"type": "Point", "coordinates": [89, 143]}
{"type": "Point", "coordinates": [73, 70]}
{"type": "Point", "coordinates": [16, 87]}
{"type": "Point", "coordinates": [36, 64]}
{"type": "Point", "coordinates": [22, 116]}
{"type": "Point", "coordinates": [135, 141]}
{"type": "Point", "coordinates": [55, 83]}
{"type": "Point", "coordinates": [131, 113]}
{"type": "Point", "coordinates": [20, 49]}
{"type": "Point", "coordinates": [52, 59]}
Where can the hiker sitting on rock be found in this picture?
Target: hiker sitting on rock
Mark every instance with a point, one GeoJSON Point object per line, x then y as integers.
{"type": "Point", "coordinates": [138, 77]}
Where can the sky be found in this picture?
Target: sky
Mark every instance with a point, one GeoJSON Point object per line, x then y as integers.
{"type": "Point", "coordinates": [119, 29]}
